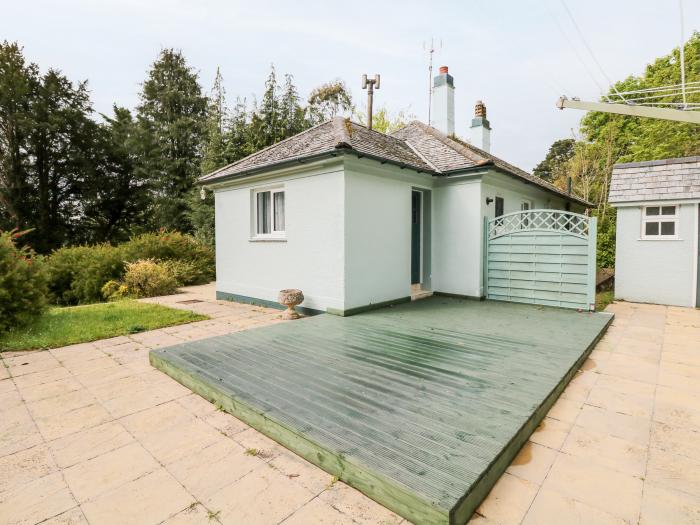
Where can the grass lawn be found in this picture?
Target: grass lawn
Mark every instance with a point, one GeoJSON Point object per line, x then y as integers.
{"type": "Point", "coordinates": [603, 299]}
{"type": "Point", "coordinates": [78, 324]}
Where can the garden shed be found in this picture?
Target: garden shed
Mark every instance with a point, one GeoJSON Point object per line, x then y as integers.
{"type": "Point", "coordinates": [658, 227]}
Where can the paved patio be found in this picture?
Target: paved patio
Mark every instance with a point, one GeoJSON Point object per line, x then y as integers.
{"type": "Point", "coordinates": [92, 434]}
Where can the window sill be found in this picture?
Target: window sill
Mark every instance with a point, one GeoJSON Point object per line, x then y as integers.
{"type": "Point", "coordinates": [660, 239]}
{"type": "Point", "coordinates": [267, 239]}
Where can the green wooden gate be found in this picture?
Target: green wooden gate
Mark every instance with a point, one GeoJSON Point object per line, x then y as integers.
{"type": "Point", "coordinates": [541, 257]}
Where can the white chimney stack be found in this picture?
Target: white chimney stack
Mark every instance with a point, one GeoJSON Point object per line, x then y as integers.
{"type": "Point", "coordinates": [480, 129]}
{"type": "Point", "coordinates": [443, 117]}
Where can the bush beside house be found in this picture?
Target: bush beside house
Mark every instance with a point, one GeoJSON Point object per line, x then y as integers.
{"type": "Point", "coordinates": [146, 265]}
{"type": "Point", "coordinates": [23, 283]}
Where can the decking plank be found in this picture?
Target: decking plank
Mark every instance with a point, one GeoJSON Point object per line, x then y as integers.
{"type": "Point", "coordinates": [420, 406]}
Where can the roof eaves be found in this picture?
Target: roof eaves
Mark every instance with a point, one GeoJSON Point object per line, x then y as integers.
{"type": "Point", "coordinates": [275, 165]}
{"type": "Point", "coordinates": [260, 152]}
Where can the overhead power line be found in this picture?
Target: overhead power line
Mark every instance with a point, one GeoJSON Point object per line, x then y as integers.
{"type": "Point", "coordinates": [575, 50]}
{"type": "Point", "coordinates": [588, 48]}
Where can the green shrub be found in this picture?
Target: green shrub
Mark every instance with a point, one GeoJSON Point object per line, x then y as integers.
{"type": "Point", "coordinates": [186, 272]}
{"type": "Point", "coordinates": [149, 278]}
{"type": "Point", "coordinates": [113, 291]}
{"type": "Point", "coordinates": [23, 283]}
{"type": "Point", "coordinates": [77, 274]}
{"type": "Point", "coordinates": [198, 259]}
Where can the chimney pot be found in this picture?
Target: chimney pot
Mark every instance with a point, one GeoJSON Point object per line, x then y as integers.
{"type": "Point", "coordinates": [443, 70]}
{"type": "Point", "coordinates": [480, 129]}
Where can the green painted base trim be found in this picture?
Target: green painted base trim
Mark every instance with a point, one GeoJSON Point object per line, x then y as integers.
{"type": "Point", "coordinates": [384, 490]}
{"type": "Point", "coordinates": [464, 509]}
{"type": "Point", "coordinates": [226, 296]}
{"type": "Point", "coordinates": [368, 307]}
{"type": "Point", "coordinates": [459, 296]}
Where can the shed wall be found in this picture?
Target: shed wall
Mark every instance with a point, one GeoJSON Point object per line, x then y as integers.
{"type": "Point", "coordinates": [655, 271]}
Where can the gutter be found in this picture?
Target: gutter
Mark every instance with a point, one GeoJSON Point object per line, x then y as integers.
{"type": "Point", "coordinates": [492, 165]}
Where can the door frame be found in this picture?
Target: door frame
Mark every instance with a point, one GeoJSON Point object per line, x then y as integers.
{"type": "Point", "coordinates": [420, 235]}
{"type": "Point", "coordinates": [425, 229]}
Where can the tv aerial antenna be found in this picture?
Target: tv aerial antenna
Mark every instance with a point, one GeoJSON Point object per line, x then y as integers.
{"type": "Point", "coordinates": [430, 49]}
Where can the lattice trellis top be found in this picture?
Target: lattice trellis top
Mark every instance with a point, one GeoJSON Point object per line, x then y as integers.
{"type": "Point", "coordinates": [539, 220]}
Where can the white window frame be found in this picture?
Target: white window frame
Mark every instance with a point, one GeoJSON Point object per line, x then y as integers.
{"type": "Point", "coordinates": [660, 219]}
{"type": "Point", "coordinates": [274, 234]}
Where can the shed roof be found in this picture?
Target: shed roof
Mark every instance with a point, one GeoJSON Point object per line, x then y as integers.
{"type": "Point", "coordinates": [416, 146]}
{"type": "Point", "coordinates": [656, 180]}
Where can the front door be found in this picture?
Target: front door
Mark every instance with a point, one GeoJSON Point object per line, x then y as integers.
{"type": "Point", "coordinates": [415, 236]}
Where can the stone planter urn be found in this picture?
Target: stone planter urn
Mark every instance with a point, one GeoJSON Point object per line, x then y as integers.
{"type": "Point", "coordinates": [290, 298]}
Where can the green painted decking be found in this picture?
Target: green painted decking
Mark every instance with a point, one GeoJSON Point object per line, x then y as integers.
{"type": "Point", "coordinates": [421, 406]}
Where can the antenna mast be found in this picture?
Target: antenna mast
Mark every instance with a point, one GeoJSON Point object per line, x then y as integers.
{"type": "Point", "coordinates": [370, 84]}
{"type": "Point", "coordinates": [431, 50]}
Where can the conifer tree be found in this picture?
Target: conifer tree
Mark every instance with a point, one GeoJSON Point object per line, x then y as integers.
{"type": "Point", "coordinates": [172, 117]}
{"type": "Point", "coordinates": [18, 84]}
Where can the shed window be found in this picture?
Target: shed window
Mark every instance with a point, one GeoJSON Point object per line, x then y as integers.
{"type": "Point", "coordinates": [660, 222]}
{"type": "Point", "coordinates": [269, 213]}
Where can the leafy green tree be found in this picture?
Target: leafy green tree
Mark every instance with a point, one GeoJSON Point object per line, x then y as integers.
{"type": "Point", "coordinates": [172, 116]}
{"type": "Point", "coordinates": [554, 165]}
{"type": "Point", "coordinates": [384, 121]}
{"type": "Point", "coordinates": [327, 101]}
{"type": "Point", "coordinates": [609, 139]}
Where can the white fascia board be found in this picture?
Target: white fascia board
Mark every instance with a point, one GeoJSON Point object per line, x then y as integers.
{"type": "Point", "coordinates": [310, 169]}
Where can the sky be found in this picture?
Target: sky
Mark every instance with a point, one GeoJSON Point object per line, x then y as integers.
{"type": "Point", "coordinates": [517, 56]}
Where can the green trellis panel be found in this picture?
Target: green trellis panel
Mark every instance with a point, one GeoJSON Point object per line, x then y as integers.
{"type": "Point", "coordinates": [541, 257]}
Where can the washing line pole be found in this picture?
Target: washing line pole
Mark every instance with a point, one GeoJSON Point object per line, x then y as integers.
{"type": "Point", "coordinates": [680, 8]}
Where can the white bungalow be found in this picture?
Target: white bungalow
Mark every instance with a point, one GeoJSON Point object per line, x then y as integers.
{"type": "Point", "coordinates": [358, 219]}
{"type": "Point", "coordinates": [658, 230]}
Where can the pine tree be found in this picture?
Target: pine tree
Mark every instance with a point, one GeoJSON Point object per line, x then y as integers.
{"type": "Point", "coordinates": [61, 146]}
{"type": "Point", "coordinates": [172, 116]}
{"type": "Point", "coordinates": [115, 203]}
{"type": "Point", "coordinates": [217, 116]}
{"type": "Point", "coordinates": [291, 113]}
{"type": "Point", "coordinates": [238, 140]}
{"type": "Point", "coordinates": [266, 121]}
{"type": "Point", "coordinates": [18, 84]}
{"type": "Point", "coordinates": [202, 210]}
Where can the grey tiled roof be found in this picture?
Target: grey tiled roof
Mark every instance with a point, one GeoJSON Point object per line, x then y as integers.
{"type": "Point", "coordinates": [416, 146]}
{"type": "Point", "coordinates": [331, 136]}
{"type": "Point", "coordinates": [668, 179]}
{"type": "Point", "coordinates": [449, 154]}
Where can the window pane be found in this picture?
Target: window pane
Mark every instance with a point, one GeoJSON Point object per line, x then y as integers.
{"type": "Point", "coordinates": [668, 210]}
{"type": "Point", "coordinates": [653, 210]}
{"type": "Point", "coordinates": [279, 211]}
{"type": "Point", "coordinates": [651, 228]}
{"type": "Point", "coordinates": [263, 206]}
{"type": "Point", "coordinates": [668, 228]}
